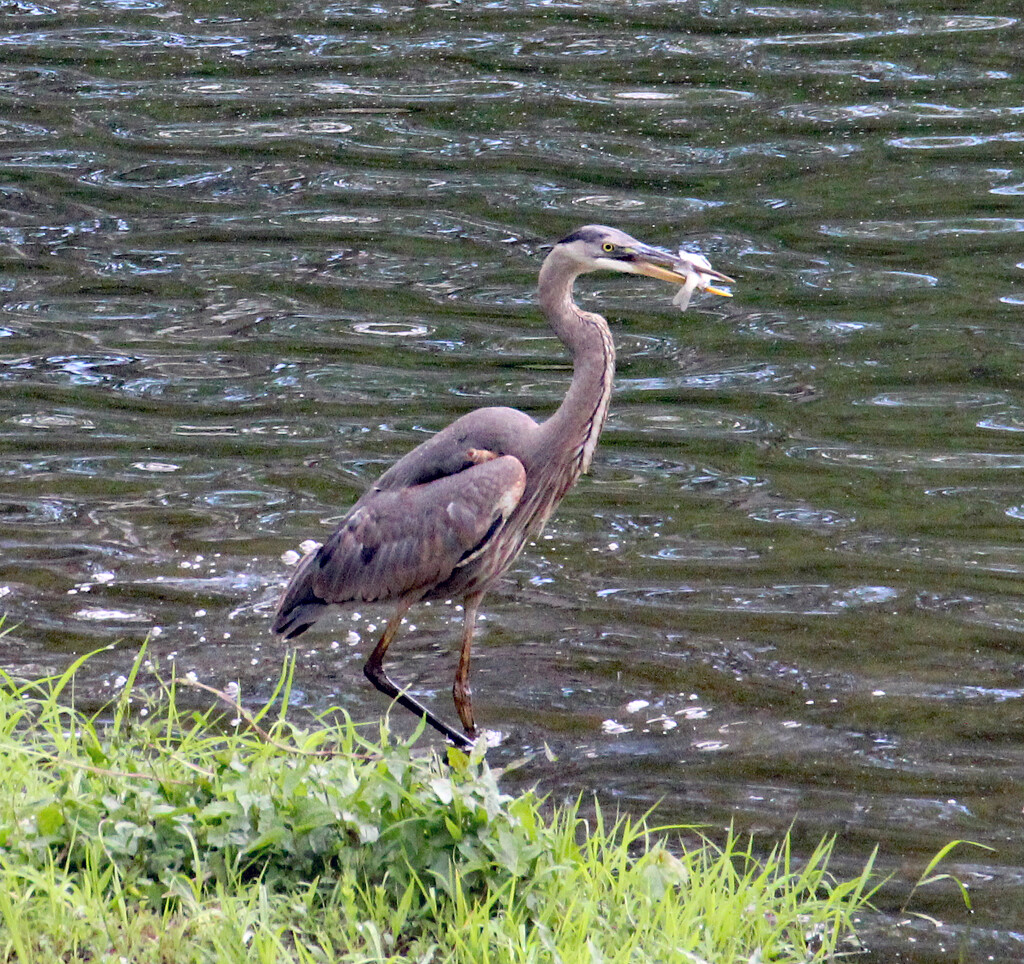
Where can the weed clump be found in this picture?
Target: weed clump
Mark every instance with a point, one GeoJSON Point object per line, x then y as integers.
{"type": "Point", "coordinates": [170, 835]}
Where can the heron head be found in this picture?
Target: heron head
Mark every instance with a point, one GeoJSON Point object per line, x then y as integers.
{"type": "Point", "coordinates": [599, 248]}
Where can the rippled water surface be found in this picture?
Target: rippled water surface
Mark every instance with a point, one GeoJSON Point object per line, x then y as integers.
{"type": "Point", "coordinates": [250, 253]}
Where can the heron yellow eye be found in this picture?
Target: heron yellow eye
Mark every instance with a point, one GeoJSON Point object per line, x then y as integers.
{"type": "Point", "coordinates": [608, 247]}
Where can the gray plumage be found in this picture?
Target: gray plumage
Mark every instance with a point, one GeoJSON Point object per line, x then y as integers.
{"type": "Point", "coordinates": [446, 520]}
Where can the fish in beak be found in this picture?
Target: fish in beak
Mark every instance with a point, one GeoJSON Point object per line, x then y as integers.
{"type": "Point", "coordinates": [691, 271]}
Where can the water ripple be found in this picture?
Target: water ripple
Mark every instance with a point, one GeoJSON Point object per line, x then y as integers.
{"type": "Point", "coordinates": [821, 519]}
{"type": "Point", "coordinates": [215, 133]}
{"type": "Point", "coordinates": [887, 460]}
{"type": "Point", "coordinates": [922, 230]}
{"type": "Point", "coordinates": [36, 512]}
{"type": "Point", "coordinates": [743, 378]}
{"type": "Point", "coordinates": [795, 599]}
{"type": "Point", "coordinates": [171, 173]}
{"type": "Point", "coordinates": [803, 329]}
{"type": "Point", "coordinates": [110, 38]}
{"type": "Point", "coordinates": [938, 554]}
{"type": "Point", "coordinates": [948, 399]}
{"type": "Point", "coordinates": [945, 142]}
{"type": "Point", "coordinates": [692, 423]}
{"type": "Point", "coordinates": [996, 612]}
{"type": "Point", "coordinates": [1011, 420]}
{"type": "Point", "coordinates": [910, 26]}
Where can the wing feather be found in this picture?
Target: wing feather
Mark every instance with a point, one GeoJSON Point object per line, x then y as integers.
{"type": "Point", "coordinates": [403, 541]}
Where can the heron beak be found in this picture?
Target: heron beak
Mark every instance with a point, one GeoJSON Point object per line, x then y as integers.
{"type": "Point", "coordinates": [678, 268]}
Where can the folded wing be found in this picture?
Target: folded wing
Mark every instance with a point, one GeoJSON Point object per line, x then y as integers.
{"type": "Point", "coordinates": [400, 542]}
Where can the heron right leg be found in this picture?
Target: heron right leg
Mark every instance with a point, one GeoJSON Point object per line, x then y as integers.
{"type": "Point", "coordinates": [374, 672]}
{"type": "Point", "coordinates": [461, 691]}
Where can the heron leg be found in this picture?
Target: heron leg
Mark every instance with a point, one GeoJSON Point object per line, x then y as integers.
{"type": "Point", "coordinates": [374, 672]}
{"type": "Point", "coordinates": [461, 692]}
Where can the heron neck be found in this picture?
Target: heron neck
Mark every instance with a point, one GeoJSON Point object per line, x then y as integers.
{"type": "Point", "coordinates": [571, 433]}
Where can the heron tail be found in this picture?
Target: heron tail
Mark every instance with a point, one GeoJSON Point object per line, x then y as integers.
{"type": "Point", "coordinates": [300, 606]}
{"type": "Point", "coordinates": [297, 620]}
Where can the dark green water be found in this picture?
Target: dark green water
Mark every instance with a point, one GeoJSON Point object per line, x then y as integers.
{"type": "Point", "coordinates": [251, 253]}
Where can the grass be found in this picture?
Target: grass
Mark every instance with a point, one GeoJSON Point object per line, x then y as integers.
{"type": "Point", "coordinates": [158, 834]}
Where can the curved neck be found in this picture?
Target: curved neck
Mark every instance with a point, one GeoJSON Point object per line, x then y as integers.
{"type": "Point", "coordinates": [569, 437]}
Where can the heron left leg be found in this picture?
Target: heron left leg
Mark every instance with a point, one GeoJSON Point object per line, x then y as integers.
{"type": "Point", "coordinates": [374, 672]}
{"type": "Point", "coordinates": [460, 691]}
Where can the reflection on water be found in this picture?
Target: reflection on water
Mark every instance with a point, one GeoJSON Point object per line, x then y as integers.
{"type": "Point", "coordinates": [247, 262]}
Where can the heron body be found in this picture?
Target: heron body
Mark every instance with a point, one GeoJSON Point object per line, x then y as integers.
{"type": "Point", "coordinates": [448, 519]}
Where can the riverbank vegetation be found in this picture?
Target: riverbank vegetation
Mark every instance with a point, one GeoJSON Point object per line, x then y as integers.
{"type": "Point", "coordinates": [155, 833]}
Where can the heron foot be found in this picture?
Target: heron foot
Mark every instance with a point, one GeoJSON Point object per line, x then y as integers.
{"type": "Point", "coordinates": [374, 672]}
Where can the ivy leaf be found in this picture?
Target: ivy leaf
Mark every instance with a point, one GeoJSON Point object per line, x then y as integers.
{"type": "Point", "coordinates": [49, 819]}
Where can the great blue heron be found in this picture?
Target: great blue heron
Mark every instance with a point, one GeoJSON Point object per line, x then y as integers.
{"type": "Point", "coordinates": [446, 520]}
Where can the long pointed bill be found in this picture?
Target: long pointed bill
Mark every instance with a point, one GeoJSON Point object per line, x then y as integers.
{"type": "Point", "coordinates": [691, 271]}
